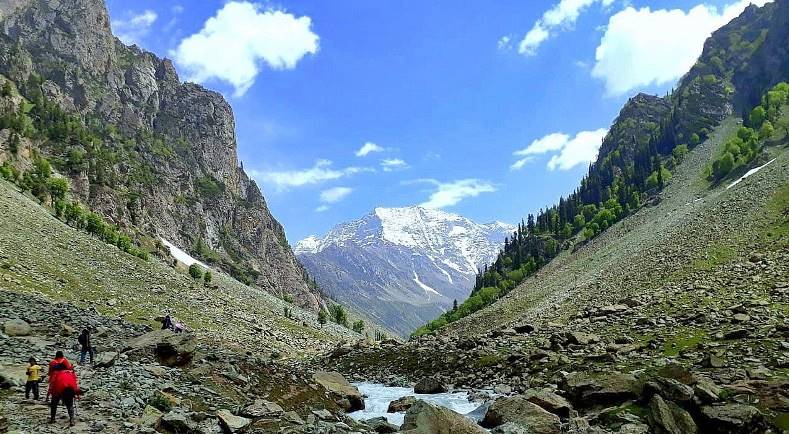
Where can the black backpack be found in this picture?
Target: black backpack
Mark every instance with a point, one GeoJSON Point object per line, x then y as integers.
{"type": "Point", "coordinates": [83, 340]}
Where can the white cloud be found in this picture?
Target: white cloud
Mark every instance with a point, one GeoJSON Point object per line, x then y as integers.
{"type": "Point", "coordinates": [567, 151]}
{"type": "Point", "coordinates": [335, 194]}
{"type": "Point", "coordinates": [505, 42]}
{"type": "Point", "coordinates": [392, 164]}
{"type": "Point", "coordinates": [561, 16]}
{"type": "Point", "coordinates": [368, 148]}
{"type": "Point", "coordinates": [641, 47]}
{"type": "Point", "coordinates": [318, 173]}
{"type": "Point", "coordinates": [322, 208]}
{"type": "Point", "coordinates": [232, 44]}
{"type": "Point", "coordinates": [136, 27]}
{"type": "Point", "coordinates": [450, 193]}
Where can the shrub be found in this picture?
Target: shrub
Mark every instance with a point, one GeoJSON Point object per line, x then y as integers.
{"type": "Point", "coordinates": [58, 187]}
{"type": "Point", "coordinates": [322, 317]}
{"type": "Point", "coordinates": [338, 315]}
{"type": "Point", "coordinates": [358, 326]}
{"type": "Point", "coordinates": [195, 271]}
{"type": "Point", "coordinates": [207, 277]}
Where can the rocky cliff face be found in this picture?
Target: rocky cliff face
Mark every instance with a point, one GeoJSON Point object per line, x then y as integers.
{"type": "Point", "coordinates": [402, 266]}
{"type": "Point", "coordinates": [165, 162]}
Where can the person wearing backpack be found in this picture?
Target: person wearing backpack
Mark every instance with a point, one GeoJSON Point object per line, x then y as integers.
{"type": "Point", "coordinates": [63, 386]}
{"type": "Point", "coordinates": [85, 347]}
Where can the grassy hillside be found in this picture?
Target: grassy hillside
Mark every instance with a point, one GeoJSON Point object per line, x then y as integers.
{"type": "Point", "coordinates": [40, 254]}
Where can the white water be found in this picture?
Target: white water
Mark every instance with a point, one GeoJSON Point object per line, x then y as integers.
{"type": "Point", "coordinates": [378, 397]}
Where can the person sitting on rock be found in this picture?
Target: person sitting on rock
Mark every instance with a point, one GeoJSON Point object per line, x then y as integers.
{"type": "Point", "coordinates": [85, 346]}
{"type": "Point", "coordinates": [167, 323]}
{"type": "Point", "coordinates": [62, 386]}
{"type": "Point", "coordinates": [33, 378]}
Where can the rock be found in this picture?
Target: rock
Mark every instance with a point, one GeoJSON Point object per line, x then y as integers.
{"type": "Point", "coordinates": [740, 318]}
{"type": "Point", "coordinates": [523, 328]}
{"type": "Point", "coordinates": [587, 390]}
{"type": "Point", "coordinates": [381, 425]}
{"type": "Point", "coordinates": [106, 359]}
{"type": "Point", "coordinates": [170, 349]}
{"type": "Point", "coordinates": [510, 428]}
{"type": "Point", "coordinates": [231, 422]}
{"type": "Point", "coordinates": [151, 416]}
{"type": "Point", "coordinates": [707, 391]}
{"type": "Point", "coordinates": [426, 418]}
{"type": "Point", "coordinates": [669, 418]}
{"type": "Point", "coordinates": [736, 334]}
{"type": "Point", "coordinates": [580, 338]}
{"type": "Point", "coordinates": [502, 389]}
{"type": "Point", "coordinates": [293, 417]}
{"type": "Point", "coordinates": [612, 309]}
{"type": "Point", "coordinates": [429, 385]}
{"type": "Point", "coordinates": [401, 404]}
{"type": "Point", "coordinates": [66, 330]}
{"type": "Point", "coordinates": [178, 422]}
{"type": "Point", "coordinates": [732, 418]}
{"type": "Point", "coordinates": [324, 414]}
{"type": "Point", "coordinates": [668, 388]}
{"type": "Point", "coordinates": [346, 394]}
{"type": "Point", "coordinates": [16, 327]}
{"type": "Point", "coordinates": [262, 409]}
{"type": "Point", "coordinates": [519, 410]}
{"type": "Point", "coordinates": [13, 375]}
{"type": "Point", "coordinates": [713, 361]}
{"type": "Point", "coordinates": [549, 401]}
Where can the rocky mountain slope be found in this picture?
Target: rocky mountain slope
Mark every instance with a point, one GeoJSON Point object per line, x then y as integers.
{"type": "Point", "coordinates": [402, 266]}
{"type": "Point", "coordinates": [157, 156]}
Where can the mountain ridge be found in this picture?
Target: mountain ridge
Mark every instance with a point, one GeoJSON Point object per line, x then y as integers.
{"type": "Point", "coordinates": [394, 259]}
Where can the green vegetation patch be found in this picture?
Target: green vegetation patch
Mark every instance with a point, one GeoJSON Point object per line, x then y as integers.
{"type": "Point", "coordinates": [715, 255]}
{"type": "Point", "coordinates": [683, 340]}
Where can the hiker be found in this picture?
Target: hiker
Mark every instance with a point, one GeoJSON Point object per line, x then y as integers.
{"type": "Point", "coordinates": [33, 378]}
{"type": "Point", "coordinates": [85, 347]}
{"type": "Point", "coordinates": [62, 386]}
{"type": "Point", "coordinates": [167, 323]}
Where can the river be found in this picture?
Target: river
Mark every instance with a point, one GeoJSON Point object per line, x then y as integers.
{"type": "Point", "coordinates": [378, 397]}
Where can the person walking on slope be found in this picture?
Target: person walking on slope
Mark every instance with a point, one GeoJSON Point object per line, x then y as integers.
{"type": "Point", "coordinates": [85, 347]}
{"type": "Point", "coordinates": [62, 386]}
{"type": "Point", "coordinates": [33, 378]}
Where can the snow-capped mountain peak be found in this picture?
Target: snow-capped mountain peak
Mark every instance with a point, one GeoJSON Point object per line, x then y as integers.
{"type": "Point", "coordinates": [413, 255]}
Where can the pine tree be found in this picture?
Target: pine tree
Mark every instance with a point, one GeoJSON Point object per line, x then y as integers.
{"type": "Point", "coordinates": [322, 317]}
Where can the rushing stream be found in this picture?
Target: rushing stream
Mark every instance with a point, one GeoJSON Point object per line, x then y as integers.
{"type": "Point", "coordinates": [378, 397]}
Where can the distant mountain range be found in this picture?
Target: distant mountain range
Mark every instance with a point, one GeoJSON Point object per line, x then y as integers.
{"type": "Point", "coordinates": [403, 266]}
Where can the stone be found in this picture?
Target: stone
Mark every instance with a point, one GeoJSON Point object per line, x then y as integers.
{"type": "Point", "coordinates": [523, 328]}
{"type": "Point", "coordinates": [13, 375]}
{"type": "Point", "coordinates": [66, 330]}
{"type": "Point", "coordinates": [669, 389]}
{"type": "Point", "coordinates": [262, 409]}
{"type": "Point", "coordinates": [429, 385]}
{"type": "Point", "coordinates": [549, 401]}
{"type": "Point", "coordinates": [347, 395]}
{"type": "Point", "coordinates": [106, 359]}
{"type": "Point", "coordinates": [580, 338]}
{"type": "Point", "coordinates": [707, 391]}
{"type": "Point", "coordinates": [712, 360]}
{"type": "Point", "coordinates": [381, 425]}
{"type": "Point", "coordinates": [178, 422]}
{"type": "Point", "coordinates": [669, 418]}
{"type": "Point", "coordinates": [587, 390]}
{"type": "Point", "coordinates": [502, 389]}
{"type": "Point", "coordinates": [510, 428]}
{"type": "Point", "coordinates": [170, 349]}
{"type": "Point", "coordinates": [736, 334]}
{"type": "Point", "coordinates": [324, 414]}
{"type": "Point", "coordinates": [732, 418]}
{"type": "Point", "coordinates": [293, 417]}
{"type": "Point", "coordinates": [231, 422]}
{"type": "Point", "coordinates": [151, 416]}
{"type": "Point", "coordinates": [426, 418]}
{"type": "Point", "coordinates": [519, 410]}
{"type": "Point", "coordinates": [401, 404]}
{"type": "Point", "coordinates": [741, 318]}
{"type": "Point", "coordinates": [16, 327]}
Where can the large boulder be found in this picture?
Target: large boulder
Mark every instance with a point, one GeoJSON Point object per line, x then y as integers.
{"type": "Point", "coordinates": [519, 410]}
{"type": "Point", "coordinates": [401, 404]}
{"type": "Point", "coordinates": [12, 376]}
{"type": "Point", "coordinates": [170, 349]}
{"type": "Point", "coordinates": [381, 425]}
{"type": "Point", "coordinates": [588, 390]}
{"type": "Point", "coordinates": [345, 394]}
{"type": "Point", "coordinates": [232, 423]}
{"type": "Point", "coordinates": [262, 409]}
{"type": "Point", "coordinates": [549, 401]}
{"type": "Point", "coordinates": [429, 385]}
{"type": "Point", "coordinates": [16, 327]}
{"type": "Point", "coordinates": [151, 416]}
{"type": "Point", "coordinates": [732, 418]}
{"type": "Point", "coordinates": [426, 418]}
{"type": "Point", "coordinates": [669, 418]}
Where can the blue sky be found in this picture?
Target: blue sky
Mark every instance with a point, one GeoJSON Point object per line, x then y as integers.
{"type": "Point", "coordinates": [488, 109]}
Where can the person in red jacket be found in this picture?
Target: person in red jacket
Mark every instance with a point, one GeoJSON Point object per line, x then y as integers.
{"type": "Point", "coordinates": [62, 386]}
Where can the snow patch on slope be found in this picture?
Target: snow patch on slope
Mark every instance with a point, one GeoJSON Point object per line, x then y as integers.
{"type": "Point", "coordinates": [180, 255]}
{"type": "Point", "coordinates": [748, 173]}
{"type": "Point", "coordinates": [423, 286]}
